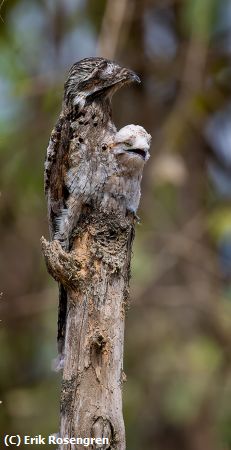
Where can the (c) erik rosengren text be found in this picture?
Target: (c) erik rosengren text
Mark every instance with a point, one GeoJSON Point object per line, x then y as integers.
{"type": "Point", "coordinates": [52, 439]}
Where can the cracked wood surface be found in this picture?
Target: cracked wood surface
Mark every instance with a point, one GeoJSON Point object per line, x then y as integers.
{"type": "Point", "coordinates": [96, 275]}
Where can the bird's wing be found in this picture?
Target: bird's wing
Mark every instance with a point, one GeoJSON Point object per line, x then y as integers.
{"type": "Point", "coordinates": [56, 166]}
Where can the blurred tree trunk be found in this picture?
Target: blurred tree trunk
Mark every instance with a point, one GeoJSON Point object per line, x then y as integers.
{"type": "Point", "coordinates": [96, 275]}
{"type": "Point", "coordinates": [194, 269]}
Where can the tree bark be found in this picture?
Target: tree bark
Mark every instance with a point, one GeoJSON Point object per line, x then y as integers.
{"type": "Point", "coordinates": [96, 275]}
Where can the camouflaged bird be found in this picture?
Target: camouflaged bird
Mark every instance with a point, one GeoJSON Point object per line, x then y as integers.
{"type": "Point", "coordinates": [88, 161]}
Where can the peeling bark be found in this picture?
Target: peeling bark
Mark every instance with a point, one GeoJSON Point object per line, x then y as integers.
{"type": "Point", "coordinates": [96, 276]}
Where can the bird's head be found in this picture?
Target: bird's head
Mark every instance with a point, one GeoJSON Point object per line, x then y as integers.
{"type": "Point", "coordinates": [131, 147]}
{"type": "Point", "coordinates": [92, 78]}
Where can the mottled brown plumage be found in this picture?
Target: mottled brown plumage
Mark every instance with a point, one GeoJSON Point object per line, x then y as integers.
{"type": "Point", "coordinates": [88, 162]}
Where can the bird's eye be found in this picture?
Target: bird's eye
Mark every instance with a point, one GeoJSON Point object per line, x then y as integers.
{"type": "Point", "coordinates": [128, 144]}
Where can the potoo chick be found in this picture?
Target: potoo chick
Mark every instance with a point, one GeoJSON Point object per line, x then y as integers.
{"type": "Point", "coordinates": [88, 161]}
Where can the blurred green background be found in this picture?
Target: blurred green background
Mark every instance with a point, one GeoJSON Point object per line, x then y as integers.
{"type": "Point", "coordinates": [178, 329]}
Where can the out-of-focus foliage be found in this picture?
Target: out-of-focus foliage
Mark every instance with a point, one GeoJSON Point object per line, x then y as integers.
{"type": "Point", "coordinates": [178, 330]}
{"type": "Point", "coordinates": [199, 18]}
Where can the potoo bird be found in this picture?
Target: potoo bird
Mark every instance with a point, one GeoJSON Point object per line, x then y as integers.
{"type": "Point", "coordinates": [88, 161]}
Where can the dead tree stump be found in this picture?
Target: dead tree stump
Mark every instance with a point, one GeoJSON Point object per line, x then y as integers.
{"type": "Point", "coordinates": [96, 276]}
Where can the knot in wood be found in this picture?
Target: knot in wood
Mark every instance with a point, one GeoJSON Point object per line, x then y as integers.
{"type": "Point", "coordinates": [63, 267]}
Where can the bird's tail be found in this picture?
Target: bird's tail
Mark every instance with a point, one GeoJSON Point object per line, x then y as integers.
{"type": "Point", "coordinates": [62, 312]}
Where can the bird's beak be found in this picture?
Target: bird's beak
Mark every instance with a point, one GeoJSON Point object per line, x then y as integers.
{"type": "Point", "coordinates": [124, 77]}
{"type": "Point", "coordinates": [127, 77]}
{"type": "Point", "coordinates": [133, 77]}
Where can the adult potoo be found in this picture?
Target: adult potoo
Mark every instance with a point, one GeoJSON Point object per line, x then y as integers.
{"type": "Point", "coordinates": [86, 161]}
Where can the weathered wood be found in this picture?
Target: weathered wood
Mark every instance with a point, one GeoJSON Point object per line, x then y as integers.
{"type": "Point", "coordinates": [91, 401]}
